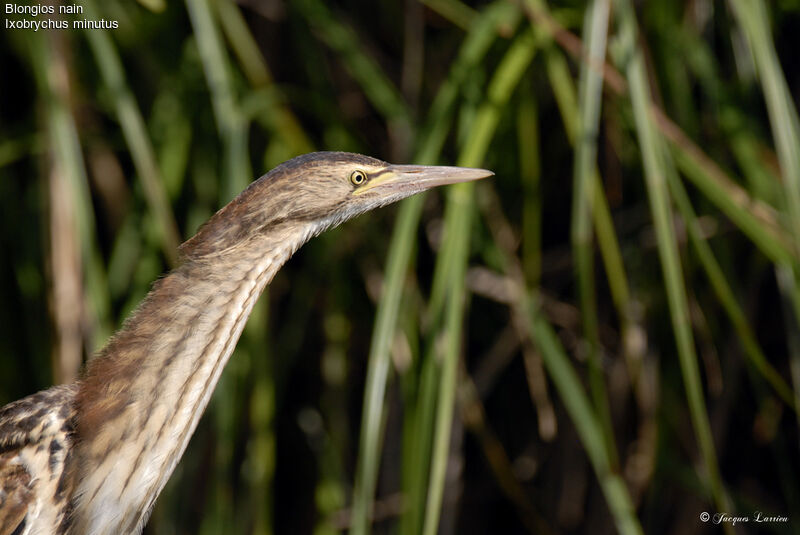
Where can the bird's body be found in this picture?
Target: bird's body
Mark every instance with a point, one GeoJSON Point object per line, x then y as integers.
{"type": "Point", "coordinates": [91, 457]}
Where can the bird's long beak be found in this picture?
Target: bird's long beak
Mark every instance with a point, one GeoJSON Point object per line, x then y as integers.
{"type": "Point", "coordinates": [414, 178]}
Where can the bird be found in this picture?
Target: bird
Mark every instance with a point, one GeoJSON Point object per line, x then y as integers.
{"type": "Point", "coordinates": [92, 456]}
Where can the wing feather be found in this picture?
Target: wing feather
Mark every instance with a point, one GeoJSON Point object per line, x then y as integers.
{"type": "Point", "coordinates": [17, 495]}
{"type": "Point", "coordinates": [36, 435]}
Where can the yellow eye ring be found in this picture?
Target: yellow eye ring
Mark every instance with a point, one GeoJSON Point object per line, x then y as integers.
{"type": "Point", "coordinates": [358, 177]}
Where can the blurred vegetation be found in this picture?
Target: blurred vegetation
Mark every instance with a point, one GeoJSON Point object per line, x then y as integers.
{"type": "Point", "coordinates": [603, 337]}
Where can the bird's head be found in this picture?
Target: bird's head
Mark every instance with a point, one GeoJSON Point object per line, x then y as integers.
{"type": "Point", "coordinates": [317, 191]}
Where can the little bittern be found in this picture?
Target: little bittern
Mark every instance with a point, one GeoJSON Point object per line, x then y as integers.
{"type": "Point", "coordinates": [91, 457]}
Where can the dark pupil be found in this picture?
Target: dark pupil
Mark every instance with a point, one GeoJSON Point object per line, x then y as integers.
{"type": "Point", "coordinates": [359, 178]}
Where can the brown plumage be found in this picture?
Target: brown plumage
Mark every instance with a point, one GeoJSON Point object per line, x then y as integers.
{"type": "Point", "coordinates": [91, 457]}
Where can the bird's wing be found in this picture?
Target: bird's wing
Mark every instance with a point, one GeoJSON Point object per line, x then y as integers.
{"type": "Point", "coordinates": [35, 438]}
{"type": "Point", "coordinates": [17, 495]}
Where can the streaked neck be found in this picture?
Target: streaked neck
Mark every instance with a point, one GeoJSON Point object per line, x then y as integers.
{"type": "Point", "coordinates": [143, 396]}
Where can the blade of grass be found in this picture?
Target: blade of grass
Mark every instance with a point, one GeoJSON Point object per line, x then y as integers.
{"type": "Point", "coordinates": [726, 296]}
{"type": "Point", "coordinates": [241, 40]}
{"type": "Point", "coordinates": [753, 217]}
{"type": "Point", "coordinates": [63, 136]}
{"type": "Point", "coordinates": [379, 366]}
{"type": "Point", "coordinates": [231, 125]}
{"type": "Point", "coordinates": [475, 46]}
{"type": "Point", "coordinates": [421, 409]}
{"type": "Point", "coordinates": [612, 261]}
{"type": "Point", "coordinates": [566, 381]}
{"type": "Point", "coordinates": [750, 153]}
{"type": "Point", "coordinates": [752, 17]}
{"type": "Point", "coordinates": [530, 175]}
{"type": "Point", "coordinates": [591, 87]}
{"type": "Point", "coordinates": [12, 150]}
{"type": "Point", "coordinates": [417, 462]}
{"type": "Point", "coordinates": [530, 178]}
{"type": "Point", "coordinates": [565, 93]}
{"type": "Point", "coordinates": [457, 227]}
{"type": "Point", "coordinates": [529, 321]}
{"type": "Point", "coordinates": [156, 6]}
{"type": "Point", "coordinates": [261, 449]}
{"type": "Point", "coordinates": [459, 211]}
{"type": "Point", "coordinates": [583, 417]}
{"type": "Point", "coordinates": [135, 133]}
{"type": "Point", "coordinates": [560, 79]}
{"type": "Point", "coordinates": [456, 12]}
{"type": "Point", "coordinates": [653, 154]}
{"type": "Point", "coordinates": [377, 87]}
{"type": "Point", "coordinates": [66, 288]}
{"type": "Point", "coordinates": [280, 117]}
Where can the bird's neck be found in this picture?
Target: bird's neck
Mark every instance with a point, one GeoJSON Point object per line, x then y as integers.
{"type": "Point", "coordinates": [142, 397]}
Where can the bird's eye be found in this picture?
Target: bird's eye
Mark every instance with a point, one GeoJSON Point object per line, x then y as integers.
{"type": "Point", "coordinates": [358, 177]}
